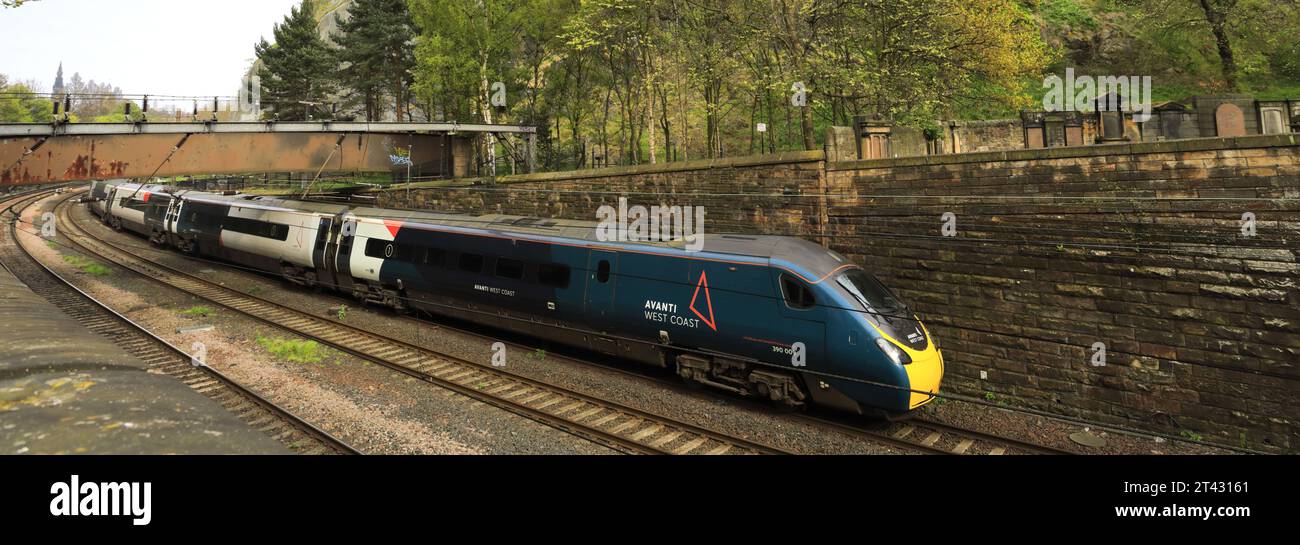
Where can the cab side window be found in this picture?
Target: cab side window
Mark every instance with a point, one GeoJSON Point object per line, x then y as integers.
{"type": "Point", "coordinates": [796, 293]}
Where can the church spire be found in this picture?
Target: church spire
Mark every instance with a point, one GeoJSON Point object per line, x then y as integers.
{"type": "Point", "coordinates": [58, 80]}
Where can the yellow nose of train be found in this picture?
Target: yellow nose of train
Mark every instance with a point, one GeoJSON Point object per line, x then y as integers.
{"type": "Point", "coordinates": [925, 372]}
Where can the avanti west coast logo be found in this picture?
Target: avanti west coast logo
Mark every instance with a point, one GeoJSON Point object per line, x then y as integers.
{"type": "Point", "coordinates": [91, 499]}
{"type": "Point", "coordinates": [653, 224]}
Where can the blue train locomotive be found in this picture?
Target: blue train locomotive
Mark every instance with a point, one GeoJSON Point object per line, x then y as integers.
{"type": "Point", "coordinates": [774, 317]}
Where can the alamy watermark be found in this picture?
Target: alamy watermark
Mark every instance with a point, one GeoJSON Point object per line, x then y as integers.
{"type": "Point", "coordinates": [74, 498]}
{"type": "Point", "coordinates": [1081, 93]}
{"type": "Point", "coordinates": [653, 224]}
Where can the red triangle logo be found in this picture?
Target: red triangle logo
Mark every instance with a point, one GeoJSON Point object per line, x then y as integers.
{"type": "Point", "coordinates": [393, 227]}
{"type": "Point", "coordinates": [704, 283]}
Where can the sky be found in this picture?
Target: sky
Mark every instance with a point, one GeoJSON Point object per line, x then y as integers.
{"type": "Point", "coordinates": [161, 47]}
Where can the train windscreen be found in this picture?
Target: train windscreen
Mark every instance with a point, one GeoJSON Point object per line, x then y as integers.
{"type": "Point", "coordinates": [870, 292]}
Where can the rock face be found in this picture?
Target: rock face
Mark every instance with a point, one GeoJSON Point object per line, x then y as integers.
{"type": "Point", "coordinates": [1103, 43]}
{"type": "Point", "coordinates": [327, 26]}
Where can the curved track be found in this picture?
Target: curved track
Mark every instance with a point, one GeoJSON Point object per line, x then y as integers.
{"type": "Point", "coordinates": [160, 356]}
{"type": "Point", "coordinates": [602, 421]}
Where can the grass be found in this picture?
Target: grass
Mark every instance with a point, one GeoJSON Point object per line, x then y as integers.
{"type": "Point", "coordinates": [1068, 13]}
{"type": "Point", "coordinates": [88, 266]}
{"type": "Point", "coordinates": [539, 354]}
{"type": "Point", "coordinates": [1192, 436]}
{"type": "Point", "coordinates": [292, 350]}
{"type": "Point", "coordinates": [199, 311]}
{"type": "Point", "coordinates": [343, 312]}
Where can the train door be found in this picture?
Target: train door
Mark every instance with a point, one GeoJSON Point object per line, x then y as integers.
{"type": "Point", "coordinates": [338, 251]}
{"type": "Point", "coordinates": [601, 268]}
{"type": "Point", "coordinates": [169, 220]}
{"type": "Point", "coordinates": [155, 217]}
{"type": "Point", "coordinates": [319, 251]}
{"type": "Point", "coordinates": [109, 202]}
{"type": "Point", "coordinates": [804, 315]}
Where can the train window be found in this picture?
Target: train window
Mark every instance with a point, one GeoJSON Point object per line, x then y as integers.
{"type": "Point", "coordinates": [471, 263]}
{"type": "Point", "coordinates": [553, 275]}
{"type": "Point", "coordinates": [510, 268]}
{"type": "Point", "coordinates": [797, 295]}
{"type": "Point", "coordinates": [256, 228]}
{"type": "Point", "coordinates": [870, 292]}
{"type": "Point", "coordinates": [379, 248]}
{"type": "Point", "coordinates": [157, 208]}
{"type": "Point", "coordinates": [128, 203]}
{"type": "Point", "coordinates": [434, 257]}
{"type": "Point", "coordinates": [383, 249]}
{"type": "Point", "coordinates": [602, 272]}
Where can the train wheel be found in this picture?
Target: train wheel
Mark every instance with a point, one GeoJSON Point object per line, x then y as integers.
{"type": "Point", "coordinates": [312, 281]}
{"type": "Point", "coordinates": [782, 389]}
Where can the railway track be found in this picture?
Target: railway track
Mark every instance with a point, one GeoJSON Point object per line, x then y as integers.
{"type": "Point", "coordinates": [932, 437]}
{"type": "Point", "coordinates": [159, 355]}
{"type": "Point", "coordinates": [605, 422]}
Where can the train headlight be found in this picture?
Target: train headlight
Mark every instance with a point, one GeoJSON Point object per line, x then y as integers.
{"type": "Point", "coordinates": [895, 353]}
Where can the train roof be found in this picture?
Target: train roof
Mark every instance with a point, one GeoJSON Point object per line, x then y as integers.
{"type": "Point", "coordinates": [818, 260]}
{"type": "Point", "coordinates": [813, 258]}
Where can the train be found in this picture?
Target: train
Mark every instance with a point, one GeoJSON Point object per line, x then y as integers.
{"type": "Point", "coordinates": [771, 317]}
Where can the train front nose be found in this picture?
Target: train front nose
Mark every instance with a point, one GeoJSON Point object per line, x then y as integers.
{"type": "Point", "coordinates": [924, 375]}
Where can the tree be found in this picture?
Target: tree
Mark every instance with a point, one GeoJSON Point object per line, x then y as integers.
{"type": "Point", "coordinates": [20, 104]}
{"type": "Point", "coordinates": [378, 60]}
{"type": "Point", "coordinates": [464, 48]}
{"type": "Point", "coordinates": [297, 72]}
{"type": "Point", "coordinates": [1250, 41]}
{"type": "Point", "coordinates": [911, 61]}
{"type": "Point", "coordinates": [1216, 15]}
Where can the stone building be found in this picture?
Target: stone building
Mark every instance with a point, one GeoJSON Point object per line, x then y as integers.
{"type": "Point", "coordinates": [58, 82]}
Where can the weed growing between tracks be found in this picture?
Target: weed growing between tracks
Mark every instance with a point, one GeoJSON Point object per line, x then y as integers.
{"type": "Point", "coordinates": [199, 311]}
{"type": "Point", "coordinates": [88, 266]}
{"type": "Point", "coordinates": [292, 350]}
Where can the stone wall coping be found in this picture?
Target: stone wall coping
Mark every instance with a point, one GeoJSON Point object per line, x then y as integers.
{"type": "Point", "coordinates": [983, 123]}
{"type": "Point", "coordinates": [1139, 148]}
{"type": "Point", "coordinates": [787, 157]}
{"type": "Point", "coordinates": [702, 164]}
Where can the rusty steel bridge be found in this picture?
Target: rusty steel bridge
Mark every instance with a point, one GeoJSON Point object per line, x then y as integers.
{"type": "Point", "coordinates": [42, 153]}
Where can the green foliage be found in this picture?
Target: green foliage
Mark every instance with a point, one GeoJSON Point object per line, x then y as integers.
{"type": "Point", "coordinates": [19, 104]}
{"type": "Point", "coordinates": [298, 69]}
{"type": "Point", "coordinates": [639, 81]}
{"type": "Point", "coordinates": [342, 312]}
{"type": "Point", "coordinates": [88, 266]}
{"type": "Point", "coordinates": [377, 63]}
{"type": "Point", "coordinates": [1214, 45]}
{"type": "Point", "coordinates": [199, 311]}
{"type": "Point", "coordinates": [292, 350]}
{"type": "Point", "coordinates": [1069, 13]}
